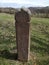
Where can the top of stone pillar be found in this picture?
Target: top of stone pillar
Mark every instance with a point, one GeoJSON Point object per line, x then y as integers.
{"type": "Point", "coordinates": [23, 15]}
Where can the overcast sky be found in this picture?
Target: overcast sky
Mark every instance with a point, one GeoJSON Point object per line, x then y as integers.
{"type": "Point", "coordinates": [27, 2]}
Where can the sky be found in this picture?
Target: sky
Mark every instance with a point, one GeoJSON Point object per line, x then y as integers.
{"type": "Point", "coordinates": [24, 3]}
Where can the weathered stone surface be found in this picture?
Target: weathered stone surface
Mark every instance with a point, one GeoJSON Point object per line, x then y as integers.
{"type": "Point", "coordinates": [22, 24]}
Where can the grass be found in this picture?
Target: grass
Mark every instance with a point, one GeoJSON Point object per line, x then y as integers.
{"type": "Point", "coordinates": [39, 41]}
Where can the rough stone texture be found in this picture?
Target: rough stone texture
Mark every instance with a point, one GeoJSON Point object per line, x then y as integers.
{"type": "Point", "coordinates": [22, 24]}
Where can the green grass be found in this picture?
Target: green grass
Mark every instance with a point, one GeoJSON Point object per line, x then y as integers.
{"type": "Point", "coordinates": [39, 40]}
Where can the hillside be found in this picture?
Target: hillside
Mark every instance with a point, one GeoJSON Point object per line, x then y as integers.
{"type": "Point", "coordinates": [33, 10]}
{"type": "Point", "coordinates": [40, 11]}
{"type": "Point", "coordinates": [8, 10]}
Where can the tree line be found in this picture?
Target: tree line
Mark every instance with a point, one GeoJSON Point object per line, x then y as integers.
{"type": "Point", "coordinates": [36, 11]}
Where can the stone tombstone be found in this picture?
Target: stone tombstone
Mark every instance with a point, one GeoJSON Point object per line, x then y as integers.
{"type": "Point", "coordinates": [22, 24]}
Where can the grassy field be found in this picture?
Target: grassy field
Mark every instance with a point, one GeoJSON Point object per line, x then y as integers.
{"type": "Point", "coordinates": [39, 41]}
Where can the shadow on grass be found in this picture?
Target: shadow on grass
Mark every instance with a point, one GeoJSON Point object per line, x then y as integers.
{"type": "Point", "coordinates": [8, 55]}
